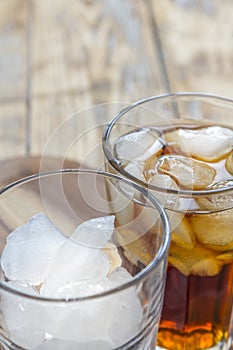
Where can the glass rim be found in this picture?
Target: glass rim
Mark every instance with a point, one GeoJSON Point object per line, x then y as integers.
{"type": "Point", "coordinates": [140, 276]}
{"type": "Point", "coordinates": [115, 163]}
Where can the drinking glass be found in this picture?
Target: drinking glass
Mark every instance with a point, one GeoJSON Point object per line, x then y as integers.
{"type": "Point", "coordinates": [179, 146]}
{"type": "Point", "coordinates": [41, 253]}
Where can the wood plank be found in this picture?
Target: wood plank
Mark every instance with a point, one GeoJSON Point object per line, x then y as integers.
{"type": "Point", "coordinates": [13, 49]}
{"type": "Point", "coordinates": [16, 168]}
{"type": "Point", "coordinates": [86, 53]}
{"type": "Point", "coordinates": [77, 137]}
{"type": "Point", "coordinates": [13, 77]}
{"type": "Point", "coordinates": [12, 129]}
{"type": "Point", "coordinates": [197, 44]}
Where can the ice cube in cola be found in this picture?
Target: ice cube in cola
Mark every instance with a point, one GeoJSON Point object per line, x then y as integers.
{"type": "Point", "coordinates": [198, 297]}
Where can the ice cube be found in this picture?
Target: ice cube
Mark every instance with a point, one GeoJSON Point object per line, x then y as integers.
{"type": "Point", "coordinates": [169, 200]}
{"type": "Point", "coordinates": [22, 316]}
{"type": "Point", "coordinates": [120, 203]}
{"type": "Point", "coordinates": [30, 250]}
{"type": "Point", "coordinates": [128, 316]}
{"type": "Point", "coordinates": [149, 169]}
{"type": "Point", "coordinates": [23, 287]}
{"type": "Point", "coordinates": [165, 182]}
{"type": "Point", "coordinates": [179, 265]}
{"type": "Point", "coordinates": [199, 261]}
{"type": "Point", "coordinates": [81, 255]}
{"type": "Point", "coordinates": [113, 318]}
{"type": "Point", "coordinates": [83, 288]}
{"type": "Point", "coordinates": [136, 248]}
{"type": "Point", "coordinates": [80, 321]}
{"type": "Point", "coordinates": [135, 169]}
{"type": "Point", "coordinates": [225, 257]}
{"type": "Point", "coordinates": [229, 163]}
{"type": "Point", "coordinates": [217, 201]}
{"type": "Point", "coordinates": [119, 276]}
{"type": "Point", "coordinates": [188, 173]}
{"type": "Point", "coordinates": [214, 230]}
{"type": "Point", "coordinates": [175, 219]}
{"type": "Point", "coordinates": [123, 313]}
{"type": "Point", "coordinates": [73, 264]}
{"type": "Point", "coordinates": [95, 232]}
{"type": "Point", "coordinates": [139, 145]}
{"type": "Point", "coordinates": [182, 234]}
{"type": "Point", "coordinates": [207, 267]}
{"type": "Point", "coordinates": [207, 143]}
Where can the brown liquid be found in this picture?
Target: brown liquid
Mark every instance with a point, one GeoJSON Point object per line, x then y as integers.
{"type": "Point", "coordinates": [196, 312]}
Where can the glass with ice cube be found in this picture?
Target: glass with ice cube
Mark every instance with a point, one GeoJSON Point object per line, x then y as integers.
{"type": "Point", "coordinates": [67, 277]}
{"type": "Point", "coordinates": [180, 146]}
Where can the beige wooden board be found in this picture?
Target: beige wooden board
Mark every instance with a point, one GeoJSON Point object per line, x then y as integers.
{"type": "Point", "coordinates": [197, 42]}
{"type": "Point", "coordinates": [13, 77]}
{"type": "Point", "coordinates": [86, 53]}
{"type": "Point", "coordinates": [70, 136]}
{"type": "Point", "coordinates": [13, 49]}
{"type": "Point", "coordinates": [49, 113]}
{"type": "Point", "coordinates": [16, 168]}
{"type": "Point", "coordinates": [12, 129]}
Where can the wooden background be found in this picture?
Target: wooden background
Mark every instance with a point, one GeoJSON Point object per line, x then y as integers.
{"type": "Point", "coordinates": [93, 57]}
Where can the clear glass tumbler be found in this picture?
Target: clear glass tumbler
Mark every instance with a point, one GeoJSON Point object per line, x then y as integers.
{"type": "Point", "coordinates": [180, 147]}
{"type": "Point", "coordinates": [69, 278]}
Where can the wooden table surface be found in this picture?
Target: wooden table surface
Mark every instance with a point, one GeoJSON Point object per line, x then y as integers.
{"type": "Point", "coordinates": [67, 66]}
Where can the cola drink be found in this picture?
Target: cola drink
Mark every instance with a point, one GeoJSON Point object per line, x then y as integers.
{"type": "Point", "coordinates": [189, 167]}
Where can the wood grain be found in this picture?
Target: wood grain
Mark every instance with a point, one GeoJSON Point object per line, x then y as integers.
{"type": "Point", "coordinates": [13, 49]}
{"type": "Point", "coordinates": [12, 129]}
{"type": "Point", "coordinates": [197, 43]}
{"type": "Point", "coordinates": [64, 58]}
{"type": "Point", "coordinates": [87, 53]}
{"type": "Point", "coordinates": [16, 168]}
{"type": "Point", "coordinates": [13, 78]}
